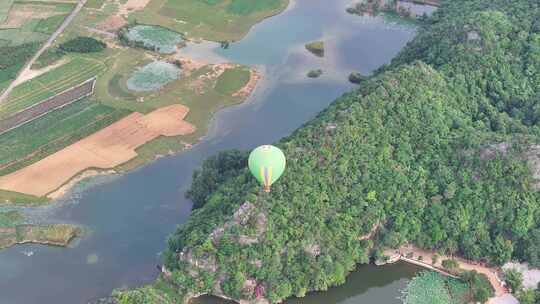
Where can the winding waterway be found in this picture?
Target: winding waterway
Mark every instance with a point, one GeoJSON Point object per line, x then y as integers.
{"type": "Point", "coordinates": [129, 217]}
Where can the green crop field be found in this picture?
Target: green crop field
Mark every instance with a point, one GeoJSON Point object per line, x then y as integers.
{"type": "Point", "coordinates": [52, 132]}
{"type": "Point", "coordinates": [78, 70]}
{"type": "Point", "coordinates": [232, 80]}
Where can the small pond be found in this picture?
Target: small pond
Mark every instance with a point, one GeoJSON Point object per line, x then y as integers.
{"type": "Point", "coordinates": [153, 76]}
{"type": "Point", "coordinates": [155, 37]}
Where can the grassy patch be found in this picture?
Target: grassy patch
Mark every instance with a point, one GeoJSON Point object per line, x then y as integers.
{"type": "Point", "coordinates": [20, 199]}
{"type": "Point", "coordinates": [5, 5]}
{"type": "Point", "coordinates": [217, 20]}
{"type": "Point", "coordinates": [10, 219]}
{"type": "Point", "coordinates": [52, 132]}
{"type": "Point", "coordinates": [232, 80]}
{"type": "Point", "coordinates": [49, 25]}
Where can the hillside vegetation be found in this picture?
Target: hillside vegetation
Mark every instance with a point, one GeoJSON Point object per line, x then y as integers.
{"type": "Point", "coordinates": [439, 148]}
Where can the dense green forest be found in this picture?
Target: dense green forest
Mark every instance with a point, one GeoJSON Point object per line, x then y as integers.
{"type": "Point", "coordinates": [438, 148]}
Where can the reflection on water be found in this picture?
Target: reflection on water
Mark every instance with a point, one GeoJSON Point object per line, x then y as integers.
{"type": "Point", "coordinates": [130, 217]}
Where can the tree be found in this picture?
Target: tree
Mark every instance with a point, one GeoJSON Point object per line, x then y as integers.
{"type": "Point", "coordinates": [83, 45]}
{"type": "Point", "coordinates": [514, 279]}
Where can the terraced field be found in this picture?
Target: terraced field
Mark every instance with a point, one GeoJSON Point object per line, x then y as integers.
{"type": "Point", "coordinates": [29, 93]}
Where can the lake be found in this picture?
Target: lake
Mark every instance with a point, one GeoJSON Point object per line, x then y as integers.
{"type": "Point", "coordinates": [129, 217]}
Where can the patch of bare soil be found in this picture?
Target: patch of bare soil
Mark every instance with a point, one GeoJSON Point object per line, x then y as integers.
{"type": "Point", "coordinates": [111, 24]}
{"type": "Point", "coordinates": [20, 14]}
{"type": "Point", "coordinates": [132, 5]}
{"type": "Point", "coordinates": [105, 149]}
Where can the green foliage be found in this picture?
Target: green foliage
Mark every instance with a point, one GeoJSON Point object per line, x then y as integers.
{"type": "Point", "coordinates": [480, 288]}
{"type": "Point", "coordinates": [432, 288]}
{"type": "Point", "coordinates": [83, 45]}
{"type": "Point", "coordinates": [215, 171]}
{"type": "Point", "coordinates": [514, 279]}
{"type": "Point", "coordinates": [450, 264]}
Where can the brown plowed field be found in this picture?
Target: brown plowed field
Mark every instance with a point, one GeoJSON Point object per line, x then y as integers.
{"type": "Point", "coordinates": [104, 149]}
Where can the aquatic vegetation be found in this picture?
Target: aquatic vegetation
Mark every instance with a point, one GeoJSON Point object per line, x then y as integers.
{"type": "Point", "coordinates": [151, 37]}
{"type": "Point", "coordinates": [153, 76]}
{"type": "Point", "coordinates": [92, 259]}
{"type": "Point", "coordinates": [433, 288]}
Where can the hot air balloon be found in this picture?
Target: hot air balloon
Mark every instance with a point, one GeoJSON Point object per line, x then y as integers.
{"type": "Point", "coordinates": [267, 164]}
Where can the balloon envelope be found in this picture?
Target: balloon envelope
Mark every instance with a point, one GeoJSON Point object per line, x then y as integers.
{"type": "Point", "coordinates": [267, 164]}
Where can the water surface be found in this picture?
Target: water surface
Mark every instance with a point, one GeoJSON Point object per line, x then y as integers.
{"type": "Point", "coordinates": [129, 217]}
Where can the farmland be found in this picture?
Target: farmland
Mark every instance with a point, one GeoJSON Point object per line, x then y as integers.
{"type": "Point", "coordinates": [168, 79]}
{"type": "Point", "coordinates": [56, 81]}
{"type": "Point", "coordinates": [24, 26]}
{"type": "Point", "coordinates": [52, 132]}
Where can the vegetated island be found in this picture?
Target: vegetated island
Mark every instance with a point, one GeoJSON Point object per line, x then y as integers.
{"type": "Point", "coordinates": [438, 149]}
{"type": "Point", "coordinates": [316, 47]}
{"type": "Point", "coordinates": [14, 231]}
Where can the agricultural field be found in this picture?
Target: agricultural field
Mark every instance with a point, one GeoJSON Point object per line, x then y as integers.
{"type": "Point", "coordinates": [217, 20]}
{"type": "Point", "coordinates": [142, 77]}
{"type": "Point", "coordinates": [48, 134]}
{"type": "Point", "coordinates": [24, 26]}
{"type": "Point", "coordinates": [73, 73]}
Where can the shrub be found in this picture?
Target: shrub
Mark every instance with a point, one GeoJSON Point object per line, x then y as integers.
{"type": "Point", "coordinates": [83, 45]}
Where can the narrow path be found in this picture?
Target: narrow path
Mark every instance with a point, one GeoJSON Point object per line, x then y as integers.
{"type": "Point", "coordinates": [45, 46]}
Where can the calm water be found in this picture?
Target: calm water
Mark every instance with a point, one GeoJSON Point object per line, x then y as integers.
{"type": "Point", "coordinates": [130, 216]}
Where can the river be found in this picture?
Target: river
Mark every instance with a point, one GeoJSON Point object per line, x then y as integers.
{"type": "Point", "coordinates": [129, 217]}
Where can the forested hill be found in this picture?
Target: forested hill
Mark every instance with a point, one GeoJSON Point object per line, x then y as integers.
{"type": "Point", "coordinates": [438, 149]}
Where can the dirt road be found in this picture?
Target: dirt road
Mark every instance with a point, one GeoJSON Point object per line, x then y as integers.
{"type": "Point", "coordinates": [45, 46]}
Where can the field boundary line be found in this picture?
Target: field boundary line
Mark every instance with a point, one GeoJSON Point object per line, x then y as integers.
{"type": "Point", "coordinates": [51, 86]}
{"type": "Point", "coordinates": [93, 80]}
